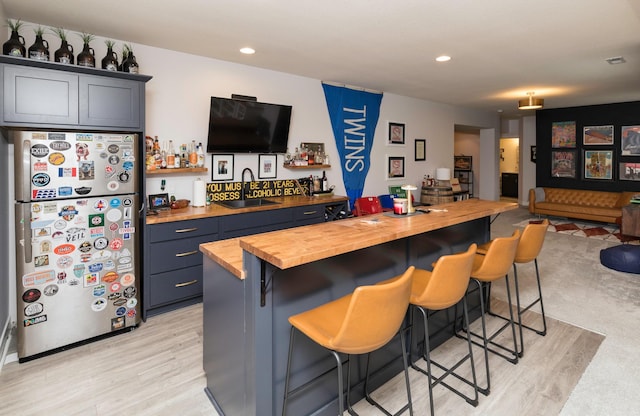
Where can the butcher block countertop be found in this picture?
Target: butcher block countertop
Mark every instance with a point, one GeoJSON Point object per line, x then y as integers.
{"type": "Point", "coordinates": [216, 210]}
{"type": "Point", "coordinates": [300, 245]}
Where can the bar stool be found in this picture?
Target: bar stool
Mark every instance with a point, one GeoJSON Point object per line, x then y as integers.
{"type": "Point", "coordinates": [529, 248]}
{"type": "Point", "coordinates": [358, 323]}
{"type": "Point", "coordinates": [488, 267]}
{"type": "Point", "coordinates": [437, 290]}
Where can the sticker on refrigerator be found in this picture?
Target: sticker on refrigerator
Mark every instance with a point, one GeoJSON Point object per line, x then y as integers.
{"type": "Point", "coordinates": [96, 220]}
{"type": "Point", "coordinates": [113, 186]}
{"type": "Point", "coordinates": [101, 255]}
{"type": "Point", "coordinates": [87, 171]}
{"type": "Point", "coordinates": [65, 191]}
{"type": "Point", "coordinates": [85, 247]}
{"type": "Point", "coordinates": [109, 171]}
{"type": "Point", "coordinates": [43, 193]}
{"type": "Point", "coordinates": [129, 292]}
{"type": "Point", "coordinates": [121, 311]}
{"type": "Point", "coordinates": [91, 279]}
{"type": "Point", "coordinates": [60, 146]}
{"type": "Point", "coordinates": [56, 136]}
{"type": "Point", "coordinates": [131, 313]}
{"type": "Point", "coordinates": [64, 249]}
{"type": "Point", "coordinates": [119, 302]}
{"type": "Point", "coordinates": [40, 167]}
{"type": "Point", "coordinates": [117, 323]}
{"type": "Point", "coordinates": [115, 287]}
{"type": "Point", "coordinates": [41, 179]}
{"type": "Point", "coordinates": [128, 166]}
{"type": "Point", "coordinates": [96, 267]}
{"type": "Point", "coordinates": [31, 295]}
{"type": "Point", "coordinates": [65, 262]}
{"type": "Point", "coordinates": [98, 304]}
{"type": "Point", "coordinates": [101, 243]}
{"type": "Point", "coordinates": [39, 136]}
{"type": "Point", "coordinates": [76, 234]}
{"type": "Point", "coordinates": [82, 151]}
{"type": "Point", "coordinates": [114, 215]}
{"type": "Point", "coordinates": [126, 213]}
{"type": "Point", "coordinates": [99, 290]}
{"type": "Point", "coordinates": [62, 278]}
{"type": "Point", "coordinates": [38, 278]}
{"type": "Point", "coordinates": [40, 261]}
{"type": "Point", "coordinates": [115, 203]}
{"type": "Point", "coordinates": [113, 148]}
{"type": "Point", "coordinates": [83, 190]}
{"type": "Point", "coordinates": [97, 232]}
{"type": "Point", "coordinates": [100, 205]}
{"type": "Point", "coordinates": [110, 277]}
{"type": "Point", "coordinates": [56, 158]}
{"type": "Point", "coordinates": [33, 309]}
{"type": "Point", "coordinates": [124, 177]}
{"type": "Point", "coordinates": [127, 202]}
{"type": "Point", "coordinates": [114, 159]}
{"type": "Point", "coordinates": [131, 303]}
{"type": "Point", "coordinates": [42, 232]}
{"type": "Point", "coordinates": [50, 290]}
{"type": "Point", "coordinates": [67, 173]}
{"type": "Point", "coordinates": [67, 212]}
{"type": "Point", "coordinates": [39, 150]}
{"type": "Point", "coordinates": [116, 244]}
{"type": "Point", "coordinates": [114, 296]}
{"type": "Point", "coordinates": [45, 246]}
{"type": "Point", "coordinates": [78, 270]}
{"type": "Point", "coordinates": [33, 321]}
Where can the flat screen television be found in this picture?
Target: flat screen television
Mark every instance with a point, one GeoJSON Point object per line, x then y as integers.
{"type": "Point", "coordinates": [243, 126]}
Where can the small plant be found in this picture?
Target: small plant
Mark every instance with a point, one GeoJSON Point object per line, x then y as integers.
{"type": "Point", "coordinates": [39, 31]}
{"type": "Point", "coordinates": [86, 37]}
{"type": "Point", "coordinates": [62, 34]}
{"type": "Point", "coordinates": [14, 25]}
{"type": "Point", "coordinates": [110, 44]}
{"type": "Point", "coordinates": [125, 51]}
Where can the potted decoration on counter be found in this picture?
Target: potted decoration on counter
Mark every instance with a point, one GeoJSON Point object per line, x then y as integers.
{"type": "Point", "coordinates": [15, 46]}
{"type": "Point", "coordinates": [63, 55]}
{"type": "Point", "coordinates": [87, 56]}
{"type": "Point", "coordinates": [40, 48]}
{"type": "Point", "coordinates": [110, 60]}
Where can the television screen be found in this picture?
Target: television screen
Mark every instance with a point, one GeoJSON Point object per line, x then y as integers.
{"type": "Point", "coordinates": [241, 126]}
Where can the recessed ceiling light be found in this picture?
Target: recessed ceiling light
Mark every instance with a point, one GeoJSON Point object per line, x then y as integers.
{"type": "Point", "coordinates": [443, 58]}
{"type": "Point", "coordinates": [616, 60]}
{"type": "Point", "coordinates": [248, 51]}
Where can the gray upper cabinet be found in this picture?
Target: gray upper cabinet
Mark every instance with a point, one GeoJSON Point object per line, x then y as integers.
{"type": "Point", "coordinates": [33, 95]}
{"type": "Point", "coordinates": [109, 102]}
{"type": "Point", "coordinates": [53, 95]}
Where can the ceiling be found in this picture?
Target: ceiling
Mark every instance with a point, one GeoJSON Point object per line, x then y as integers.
{"type": "Point", "coordinates": [500, 49]}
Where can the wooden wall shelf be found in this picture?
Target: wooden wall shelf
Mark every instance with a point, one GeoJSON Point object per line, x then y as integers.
{"type": "Point", "coordinates": [175, 170]}
{"type": "Point", "coordinates": [307, 167]}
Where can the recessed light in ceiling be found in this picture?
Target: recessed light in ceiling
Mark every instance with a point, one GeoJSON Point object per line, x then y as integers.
{"type": "Point", "coordinates": [248, 51]}
{"type": "Point", "coordinates": [443, 58]}
{"type": "Point", "coordinates": [616, 60]}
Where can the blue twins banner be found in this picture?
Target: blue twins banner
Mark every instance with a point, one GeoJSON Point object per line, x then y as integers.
{"type": "Point", "coordinates": [354, 116]}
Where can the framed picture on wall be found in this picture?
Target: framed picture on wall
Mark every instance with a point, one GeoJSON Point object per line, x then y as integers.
{"type": "Point", "coordinates": [629, 171]}
{"type": "Point", "coordinates": [597, 135]}
{"type": "Point", "coordinates": [598, 164]}
{"type": "Point", "coordinates": [396, 133]}
{"type": "Point", "coordinates": [462, 162]}
{"type": "Point", "coordinates": [222, 168]}
{"type": "Point", "coordinates": [420, 149]}
{"type": "Point", "coordinates": [267, 168]}
{"type": "Point", "coordinates": [533, 154]}
{"type": "Point", "coordinates": [630, 143]}
{"type": "Point", "coordinates": [563, 164]}
{"type": "Point", "coordinates": [395, 167]}
{"type": "Point", "coordinates": [563, 134]}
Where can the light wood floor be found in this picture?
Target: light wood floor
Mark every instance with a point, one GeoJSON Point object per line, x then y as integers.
{"type": "Point", "coordinates": [157, 370]}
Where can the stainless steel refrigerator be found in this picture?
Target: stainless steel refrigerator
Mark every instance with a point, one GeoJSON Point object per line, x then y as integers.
{"type": "Point", "coordinates": [77, 272]}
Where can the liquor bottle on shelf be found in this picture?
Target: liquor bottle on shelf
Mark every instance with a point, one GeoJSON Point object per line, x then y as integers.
{"type": "Point", "coordinates": [193, 155]}
{"type": "Point", "coordinates": [325, 182]}
{"type": "Point", "coordinates": [171, 156]}
{"type": "Point", "coordinates": [201, 155]}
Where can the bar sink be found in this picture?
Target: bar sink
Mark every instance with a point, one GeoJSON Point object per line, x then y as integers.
{"type": "Point", "coordinates": [246, 203]}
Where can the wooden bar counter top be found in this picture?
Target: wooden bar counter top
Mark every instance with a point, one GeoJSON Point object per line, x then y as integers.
{"type": "Point", "coordinates": [296, 246]}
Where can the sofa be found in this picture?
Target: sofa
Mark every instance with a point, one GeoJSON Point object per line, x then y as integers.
{"type": "Point", "coordinates": [602, 206]}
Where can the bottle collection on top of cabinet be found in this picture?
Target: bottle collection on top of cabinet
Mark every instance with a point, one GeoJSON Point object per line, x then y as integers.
{"type": "Point", "coordinates": [39, 51]}
{"type": "Point", "coordinates": [170, 156]}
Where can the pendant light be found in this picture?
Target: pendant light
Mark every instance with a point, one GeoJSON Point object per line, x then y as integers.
{"type": "Point", "coordinates": [530, 103]}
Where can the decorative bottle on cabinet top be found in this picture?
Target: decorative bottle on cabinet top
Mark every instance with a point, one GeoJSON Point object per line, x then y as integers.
{"type": "Point", "coordinates": [40, 48]}
{"type": "Point", "coordinates": [63, 55]}
{"type": "Point", "coordinates": [110, 60]}
{"type": "Point", "coordinates": [87, 56]}
{"type": "Point", "coordinates": [15, 46]}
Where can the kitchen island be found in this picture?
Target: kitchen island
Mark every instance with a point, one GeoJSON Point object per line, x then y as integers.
{"type": "Point", "coordinates": [253, 284]}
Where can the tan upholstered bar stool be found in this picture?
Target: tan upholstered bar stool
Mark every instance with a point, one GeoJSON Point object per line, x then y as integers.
{"type": "Point", "coordinates": [488, 267]}
{"type": "Point", "coordinates": [440, 289]}
{"type": "Point", "coordinates": [529, 248]}
{"type": "Point", "coordinates": [358, 323]}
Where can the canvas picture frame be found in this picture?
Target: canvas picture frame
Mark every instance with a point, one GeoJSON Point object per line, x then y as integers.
{"type": "Point", "coordinates": [629, 171]}
{"type": "Point", "coordinates": [598, 164]}
{"type": "Point", "coordinates": [563, 134]}
{"type": "Point", "coordinates": [395, 167]}
{"type": "Point", "coordinates": [597, 135]}
{"type": "Point", "coordinates": [630, 140]}
{"type": "Point", "coordinates": [396, 134]}
{"type": "Point", "coordinates": [420, 149]}
{"type": "Point", "coordinates": [462, 162]}
{"type": "Point", "coordinates": [563, 164]}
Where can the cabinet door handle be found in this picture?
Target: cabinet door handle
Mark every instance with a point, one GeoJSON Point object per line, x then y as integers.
{"type": "Point", "coordinates": [310, 212]}
{"type": "Point", "coordinates": [187, 283]}
{"type": "Point", "coordinates": [188, 253]}
{"type": "Point", "coordinates": [186, 230]}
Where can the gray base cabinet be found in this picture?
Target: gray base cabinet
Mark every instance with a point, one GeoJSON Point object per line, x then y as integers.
{"type": "Point", "coordinates": [173, 259]}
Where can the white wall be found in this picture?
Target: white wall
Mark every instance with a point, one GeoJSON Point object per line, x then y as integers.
{"type": "Point", "coordinates": [177, 108]}
{"type": "Point", "coordinates": [527, 167]}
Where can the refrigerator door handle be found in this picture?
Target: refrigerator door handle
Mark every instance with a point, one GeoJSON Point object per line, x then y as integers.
{"type": "Point", "coordinates": [23, 232]}
{"type": "Point", "coordinates": [23, 172]}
